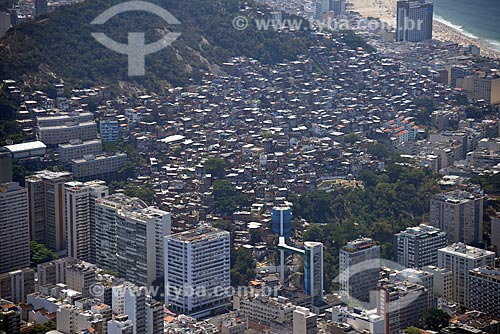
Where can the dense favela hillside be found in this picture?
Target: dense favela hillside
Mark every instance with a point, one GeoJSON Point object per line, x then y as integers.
{"type": "Point", "coordinates": [60, 45]}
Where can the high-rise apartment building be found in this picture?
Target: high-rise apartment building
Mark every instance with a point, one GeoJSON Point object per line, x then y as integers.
{"type": "Point", "coordinates": [414, 21]}
{"type": "Point", "coordinates": [155, 315]}
{"type": "Point", "coordinates": [402, 304]}
{"type": "Point", "coordinates": [5, 165]}
{"type": "Point", "coordinates": [460, 259]}
{"type": "Point", "coordinates": [135, 308]}
{"type": "Point", "coordinates": [139, 244]}
{"type": "Point", "coordinates": [338, 7]}
{"type": "Point", "coordinates": [197, 260]}
{"type": "Point", "coordinates": [359, 266]}
{"type": "Point", "coordinates": [417, 246]}
{"type": "Point", "coordinates": [313, 269]}
{"type": "Point", "coordinates": [145, 313]}
{"type": "Point", "coordinates": [40, 7]}
{"type": "Point", "coordinates": [484, 290]}
{"type": "Point", "coordinates": [14, 238]}
{"type": "Point", "coordinates": [320, 7]}
{"type": "Point", "coordinates": [459, 214]}
{"type": "Point", "coordinates": [47, 213]}
{"type": "Point", "coordinates": [80, 217]}
{"type": "Point", "coordinates": [129, 238]}
{"type": "Point", "coordinates": [495, 233]}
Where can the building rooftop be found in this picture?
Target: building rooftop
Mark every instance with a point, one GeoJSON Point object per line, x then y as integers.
{"type": "Point", "coordinates": [359, 244]}
{"type": "Point", "coordinates": [421, 231]}
{"type": "Point", "coordinates": [463, 250]}
{"type": "Point", "coordinates": [32, 145]}
{"type": "Point", "coordinates": [487, 272]}
{"type": "Point", "coordinates": [198, 234]}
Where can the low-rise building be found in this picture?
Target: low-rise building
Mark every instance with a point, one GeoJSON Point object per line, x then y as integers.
{"type": "Point", "coordinates": [77, 148]}
{"type": "Point", "coordinates": [101, 166]}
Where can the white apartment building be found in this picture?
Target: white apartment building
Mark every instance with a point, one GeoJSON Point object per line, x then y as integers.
{"type": "Point", "coordinates": [417, 246]}
{"type": "Point", "coordinates": [460, 259]}
{"type": "Point", "coordinates": [197, 261]}
{"type": "Point", "coordinates": [304, 321]}
{"type": "Point", "coordinates": [63, 118]}
{"type": "Point", "coordinates": [59, 134]}
{"type": "Point", "coordinates": [78, 148]}
{"type": "Point", "coordinates": [443, 282]}
{"type": "Point", "coordinates": [359, 266]}
{"type": "Point", "coordinates": [91, 166]}
{"type": "Point", "coordinates": [120, 325]}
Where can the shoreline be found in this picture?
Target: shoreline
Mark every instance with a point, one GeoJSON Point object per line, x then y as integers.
{"type": "Point", "coordinates": [385, 10]}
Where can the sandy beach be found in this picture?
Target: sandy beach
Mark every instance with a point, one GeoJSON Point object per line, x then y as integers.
{"type": "Point", "coordinates": [385, 10]}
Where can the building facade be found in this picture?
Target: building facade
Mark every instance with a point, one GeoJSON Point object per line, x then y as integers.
{"type": "Point", "coordinates": [80, 217]}
{"type": "Point", "coordinates": [414, 21]}
{"type": "Point", "coordinates": [101, 166]}
{"type": "Point", "coordinates": [460, 259]}
{"type": "Point", "coordinates": [14, 224]}
{"type": "Point", "coordinates": [129, 238]}
{"type": "Point", "coordinates": [47, 214]}
{"type": "Point", "coordinates": [197, 260]}
{"type": "Point", "coordinates": [459, 214]}
{"type": "Point", "coordinates": [484, 290]}
{"type": "Point", "coordinates": [359, 266]}
{"type": "Point", "coordinates": [417, 246]}
{"type": "Point", "coordinates": [78, 148]}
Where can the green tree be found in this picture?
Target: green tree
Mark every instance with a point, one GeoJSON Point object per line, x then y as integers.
{"type": "Point", "coordinates": [412, 330]}
{"type": "Point", "coordinates": [215, 166]}
{"type": "Point", "coordinates": [227, 199]}
{"type": "Point", "coordinates": [40, 253]}
{"type": "Point", "coordinates": [145, 192]}
{"type": "Point", "coordinates": [379, 150]}
{"type": "Point", "coordinates": [223, 225]}
{"type": "Point", "coordinates": [242, 266]}
{"type": "Point", "coordinates": [41, 329]}
{"type": "Point", "coordinates": [436, 319]}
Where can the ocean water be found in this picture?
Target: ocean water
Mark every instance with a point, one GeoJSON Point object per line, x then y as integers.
{"type": "Point", "coordinates": [475, 18]}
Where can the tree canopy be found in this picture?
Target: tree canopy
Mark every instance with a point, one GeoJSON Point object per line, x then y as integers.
{"type": "Point", "coordinates": [227, 199]}
{"type": "Point", "coordinates": [390, 202]}
{"type": "Point", "coordinates": [40, 253]}
{"type": "Point", "coordinates": [436, 319]}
